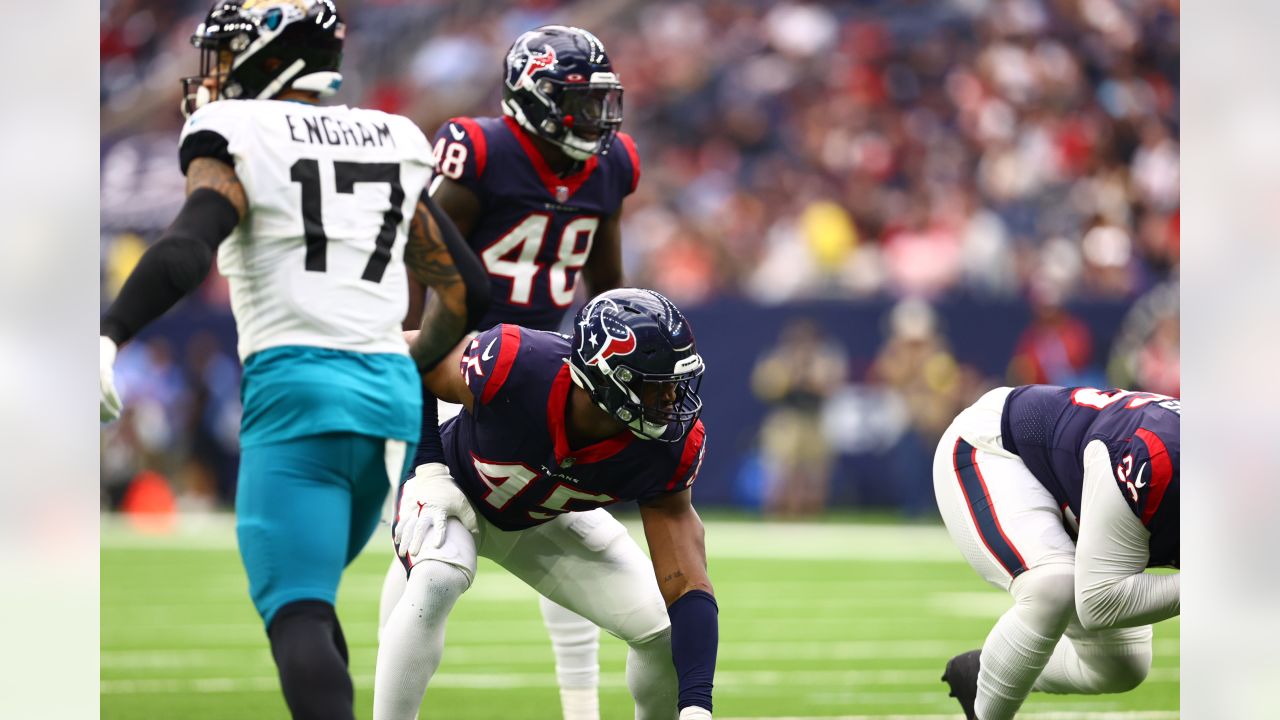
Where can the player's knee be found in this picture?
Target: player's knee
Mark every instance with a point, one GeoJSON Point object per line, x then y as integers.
{"type": "Point", "coordinates": [1121, 668]}
{"type": "Point", "coordinates": [434, 586]}
{"type": "Point", "coordinates": [1046, 594]}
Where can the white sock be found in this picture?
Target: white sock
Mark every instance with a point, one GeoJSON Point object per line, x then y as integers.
{"type": "Point", "coordinates": [651, 678]}
{"type": "Point", "coordinates": [1116, 663]}
{"type": "Point", "coordinates": [1020, 644]}
{"type": "Point", "coordinates": [392, 588]}
{"type": "Point", "coordinates": [576, 642]}
{"type": "Point", "coordinates": [413, 639]}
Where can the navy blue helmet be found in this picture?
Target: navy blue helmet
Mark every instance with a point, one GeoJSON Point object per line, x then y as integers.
{"type": "Point", "coordinates": [260, 48]}
{"type": "Point", "coordinates": [560, 86]}
{"type": "Point", "coordinates": [634, 352]}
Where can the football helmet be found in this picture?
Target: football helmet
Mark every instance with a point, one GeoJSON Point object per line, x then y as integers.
{"type": "Point", "coordinates": [256, 49]}
{"type": "Point", "coordinates": [633, 351]}
{"type": "Point", "coordinates": [560, 86]}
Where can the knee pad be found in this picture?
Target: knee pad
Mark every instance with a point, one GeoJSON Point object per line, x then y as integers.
{"type": "Point", "coordinates": [1045, 596]}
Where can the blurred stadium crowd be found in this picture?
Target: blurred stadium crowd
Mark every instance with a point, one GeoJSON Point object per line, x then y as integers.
{"type": "Point", "coordinates": [1020, 151]}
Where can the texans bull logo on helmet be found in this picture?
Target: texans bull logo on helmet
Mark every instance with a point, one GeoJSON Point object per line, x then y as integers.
{"type": "Point", "coordinates": [605, 336]}
{"type": "Point", "coordinates": [532, 63]}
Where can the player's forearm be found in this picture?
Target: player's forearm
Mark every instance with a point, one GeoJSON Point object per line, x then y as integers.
{"type": "Point", "coordinates": [695, 637]}
{"type": "Point", "coordinates": [459, 299]}
{"type": "Point", "coordinates": [174, 266]}
{"type": "Point", "coordinates": [1131, 601]}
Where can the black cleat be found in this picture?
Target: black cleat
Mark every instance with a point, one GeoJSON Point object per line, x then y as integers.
{"type": "Point", "coordinates": [962, 675]}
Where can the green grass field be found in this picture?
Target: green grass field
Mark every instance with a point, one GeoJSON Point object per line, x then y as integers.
{"type": "Point", "coordinates": [833, 620]}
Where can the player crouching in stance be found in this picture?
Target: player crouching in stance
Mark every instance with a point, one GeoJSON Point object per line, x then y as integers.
{"type": "Point", "coordinates": [317, 215]}
{"type": "Point", "coordinates": [1063, 497]}
{"type": "Point", "coordinates": [553, 429]}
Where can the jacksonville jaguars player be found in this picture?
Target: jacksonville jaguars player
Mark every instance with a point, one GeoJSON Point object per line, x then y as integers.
{"type": "Point", "coordinates": [1063, 497]}
{"type": "Point", "coordinates": [553, 430]}
{"type": "Point", "coordinates": [538, 194]}
{"type": "Point", "coordinates": [317, 214]}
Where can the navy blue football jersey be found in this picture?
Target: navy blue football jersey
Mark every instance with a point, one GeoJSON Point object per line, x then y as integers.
{"type": "Point", "coordinates": [1049, 426]}
{"type": "Point", "coordinates": [510, 454]}
{"type": "Point", "coordinates": [535, 228]}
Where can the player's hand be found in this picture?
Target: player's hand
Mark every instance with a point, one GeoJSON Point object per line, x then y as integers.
{"type": "Point", "coordinates": [693, 712]}
{"type": "Point", "coordinates": [418, 514]}
{"type": "Point", "coordinates": [108, 398]}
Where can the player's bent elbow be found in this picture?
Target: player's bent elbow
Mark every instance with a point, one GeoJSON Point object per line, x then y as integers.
{"type": "Point", "coordinates": [1095, 611]}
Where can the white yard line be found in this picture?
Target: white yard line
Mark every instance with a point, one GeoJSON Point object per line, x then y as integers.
{"type": "Point", "coordinates": [741, 680]}
{"type": "Point", "coordinates": [1036, 715]}
{"type": "Point", "coordinates": [729, 539]}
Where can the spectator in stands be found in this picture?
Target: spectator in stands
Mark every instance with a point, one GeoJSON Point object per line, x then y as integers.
{"type": "Point", "coordinates": [795, 378]}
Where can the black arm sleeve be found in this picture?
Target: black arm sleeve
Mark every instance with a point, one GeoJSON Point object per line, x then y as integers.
{"type": "Point", "coordinates": [474, 276]}
{"type": "Point", "coordinates": [174, 266]}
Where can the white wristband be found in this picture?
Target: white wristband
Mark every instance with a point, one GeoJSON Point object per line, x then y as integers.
{"type": "Point", "coordinates": [693, 712]}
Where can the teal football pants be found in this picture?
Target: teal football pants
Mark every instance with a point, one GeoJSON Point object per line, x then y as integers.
{"type": "Point", "coordinates": [305, 508]}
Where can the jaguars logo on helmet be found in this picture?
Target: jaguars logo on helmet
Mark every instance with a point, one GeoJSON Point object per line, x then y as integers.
{"type": "Point", "coordinates": [560, 86]}
{"type": "Point", "coordinates": [257, 49]}
{"type": "Point", "coordinates": [626, 339]}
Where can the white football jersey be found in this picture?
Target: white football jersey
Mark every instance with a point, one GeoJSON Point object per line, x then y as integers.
{"type": "Point", "coordinates": [318, 260]}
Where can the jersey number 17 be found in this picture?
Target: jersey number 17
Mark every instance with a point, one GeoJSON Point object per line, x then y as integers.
{"type": "Point", "coordinates": [306, 172]}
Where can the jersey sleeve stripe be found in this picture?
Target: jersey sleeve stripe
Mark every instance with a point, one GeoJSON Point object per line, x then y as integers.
{"type": "Point", "coordinates": [204, 143]}
{"type": "Point", "coordinates": [506, 357]}
{"type": "Point", "coordinates": [692, 452]}
{"type": "Point", "coordinates": [630, 145]}
{"type": "Point", "coordinates": [1161, 472]}
{"type": "Point", "coordinates": [479, 150]}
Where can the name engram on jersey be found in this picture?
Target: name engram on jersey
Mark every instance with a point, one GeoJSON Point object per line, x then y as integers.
{"type": "Point", "coordinates": [331, 194]}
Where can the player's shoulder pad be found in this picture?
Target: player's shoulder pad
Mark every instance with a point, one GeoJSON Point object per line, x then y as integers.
{"type": "Point", "coordinates": [211, 131]}
{"type": "Point", "coordinates": [487, 362]}
{"type": "Point", "coordinates": [461, 149]}
{"type": "Point", "coordinates": [631, 157]}
{"type": "Point", "coordinates": [689, 459]}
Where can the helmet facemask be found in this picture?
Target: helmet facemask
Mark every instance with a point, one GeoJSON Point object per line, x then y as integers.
{"type": "Point", "coordinates": [660, 407]}
{"type": "Point", "coordinates": [584, 117]}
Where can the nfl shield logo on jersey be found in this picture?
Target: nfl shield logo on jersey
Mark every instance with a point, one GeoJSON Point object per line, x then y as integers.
{"type": "Point", "coordinates": [562, 193]}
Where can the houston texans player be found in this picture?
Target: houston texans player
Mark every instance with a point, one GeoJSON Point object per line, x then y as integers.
{"type": "Point", "coordinates": [538, 194]}
{"type": "Point", "coordinates": [1063, 497]}
{"type": "Point", "coordinates": [555, 428]}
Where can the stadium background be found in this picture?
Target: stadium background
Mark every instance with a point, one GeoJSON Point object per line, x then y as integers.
{"type": "Point", "coordinates": [871, 211]}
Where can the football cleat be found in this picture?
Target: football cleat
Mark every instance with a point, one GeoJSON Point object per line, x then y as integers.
{"type": "Point", "coordinates": [962, 676]}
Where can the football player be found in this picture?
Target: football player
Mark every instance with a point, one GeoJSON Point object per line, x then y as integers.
{"type": "Point", "coordinates": [553, 430]}
{"type": "Point", "coordinates": [1063, 497]}
{"type": "Point", "coordinates": [317, 214]}
{"type": "Point", "coordinates": [538, 194]}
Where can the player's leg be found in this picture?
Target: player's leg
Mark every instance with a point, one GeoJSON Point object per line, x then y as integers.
{"type": "Point", "coordinates": [1010, 530]}
{"type": "Point", "coordinates": [576, 643]}
{"type": "Point", "coordinates": [412, 642]}
{"type": "Point", "coordinates": [293, 511]}
{"type": "Point", "coordinates": [1102, 661]}
{"type": "Point", "coordinates": [587, 562]}
{"type": "Point", "coordinates": [393, 582]}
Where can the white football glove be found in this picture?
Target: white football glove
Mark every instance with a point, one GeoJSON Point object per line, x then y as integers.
{"type": "Point", "coordinates": [431, 495]}
{"type": "Point", "coordinates": [693, 712]}
{"type": "Point", "coordinates": [108, 398]}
